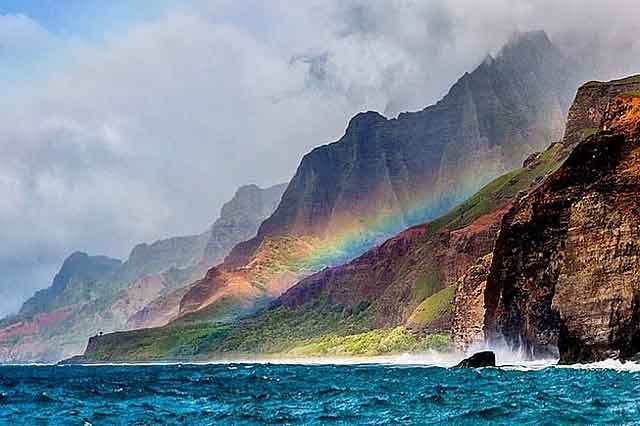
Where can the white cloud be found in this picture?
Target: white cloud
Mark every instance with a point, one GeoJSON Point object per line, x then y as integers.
{"type": "Point", "coordinates": [144, 134]}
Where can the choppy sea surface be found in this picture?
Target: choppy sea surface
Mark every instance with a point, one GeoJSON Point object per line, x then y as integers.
{"type": "Point", "coordinates": [322, 394]}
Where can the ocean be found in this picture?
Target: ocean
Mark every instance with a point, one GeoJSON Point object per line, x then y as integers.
{"type": "Point", "coordinates": [320, 394]}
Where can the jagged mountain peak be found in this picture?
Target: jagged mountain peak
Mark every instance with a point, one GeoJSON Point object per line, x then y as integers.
{"type": "Point", "coordinates": [240, 218]}
{"type": "Point", "coordinates": [538, 39]}
{"type": "Point", "coordinates": [363, 121]}
{"type": "Point", "coordinates": [247, 196]}
{"type": "Point", "coordinates": [77, 266]}
{"type": "Point", "coordinates": [80, 263]}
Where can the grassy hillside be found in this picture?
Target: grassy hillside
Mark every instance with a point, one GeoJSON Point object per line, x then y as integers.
{"type": "Point", "coordinates": [499, 191]}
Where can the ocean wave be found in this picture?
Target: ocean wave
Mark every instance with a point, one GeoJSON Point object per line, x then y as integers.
{"type": "Point", "coordinates": [410, 389]}
{"type": "Point", "coordinates": [609, 364]}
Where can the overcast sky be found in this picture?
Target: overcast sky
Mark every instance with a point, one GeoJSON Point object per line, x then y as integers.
{"type": "Point", "coordinates": [128, 121]}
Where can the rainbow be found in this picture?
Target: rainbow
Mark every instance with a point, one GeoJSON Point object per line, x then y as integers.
{"type": "Point", "coordinates": [357, 235]}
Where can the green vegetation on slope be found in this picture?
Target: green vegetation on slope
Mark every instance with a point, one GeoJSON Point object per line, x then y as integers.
{"type": "Point", "coordinates": [281, 329]}
{"type": "Point", "coordinates": [428, 281]}
{"type": "Point", "coordinates": [498, 191]}
{"type": "Point", "coordinates": [155, 343]}
{"type": "Point", "coordinates": [632, 94]}
{"type": "Point", "coordinates": [270, 332]}
{"type": "Point", "coordinates": [588, 131]}
{"type": "Point", "coordinates": [372, 343]}
{"type": "Point", "coordinates": [627, 80]}
{"type": "Point", "coordinates": [223, 310]}
{"type": "Point", "coordinates": [432, 307]}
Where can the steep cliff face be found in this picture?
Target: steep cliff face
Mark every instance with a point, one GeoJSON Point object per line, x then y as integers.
{"type": "Point", "coordinates": [566, 270]}
{"type": "Point", "coordinates": [93, 294]}
{"type": "Point", "coordinates": [390, 282]}
{"type": "Point", "coordinates": [277, 264]}
{"type": "Point", "coordinates": [468, 305]}
{"type": "Point", "coordinates": [401, 172]}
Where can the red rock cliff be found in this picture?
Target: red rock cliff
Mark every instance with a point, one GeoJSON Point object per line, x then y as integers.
{"type": "Point", "coordinates": [566, 267]}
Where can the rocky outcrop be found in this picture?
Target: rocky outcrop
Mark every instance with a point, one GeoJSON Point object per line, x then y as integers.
{"type": "Point", "coordinates": [276, 265]}
{"type": "Point", "coordinates": [77, 268]}
{"type": "Point", "coordinates": [240, 218]}
{"type": "Point", "coordinates": [566, 268]}
{"type": "Point", "coordinates": [396, 173]}
{"type": "Point", "coordinates": [479, 360]}
{"type": "Point", "coordinates": [468, 305]}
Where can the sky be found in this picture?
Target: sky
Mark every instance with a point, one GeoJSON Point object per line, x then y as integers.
{"type": "Point", "coordinates": [129, 121]}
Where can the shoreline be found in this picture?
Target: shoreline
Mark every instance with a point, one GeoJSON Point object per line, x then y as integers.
{"type": "Point", "coordinates": [397, 361]}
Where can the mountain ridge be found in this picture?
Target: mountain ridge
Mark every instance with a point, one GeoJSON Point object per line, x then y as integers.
{"type": "Point", "coordinates": [95, 294]}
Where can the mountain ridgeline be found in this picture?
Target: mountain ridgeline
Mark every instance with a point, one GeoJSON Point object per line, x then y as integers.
{"type": "Point", "coordinates": [562, 271]}
{"type": "Point", "coordinates": [479, 218]}
{"type": "Point", "coordinates": [92, 294]}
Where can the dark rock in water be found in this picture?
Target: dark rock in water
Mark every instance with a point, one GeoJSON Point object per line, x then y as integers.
{"type": "Point", "coordinates": [479, 359]}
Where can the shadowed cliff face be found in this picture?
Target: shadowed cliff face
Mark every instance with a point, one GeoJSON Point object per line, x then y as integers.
{"type": "Point", "coordinates": [468, 305]}
{"type": "Point", "coordinates": [566, 268]}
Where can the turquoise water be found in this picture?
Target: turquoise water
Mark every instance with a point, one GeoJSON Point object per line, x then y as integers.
{"type": "Point", "coordinates": [246, 394]}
